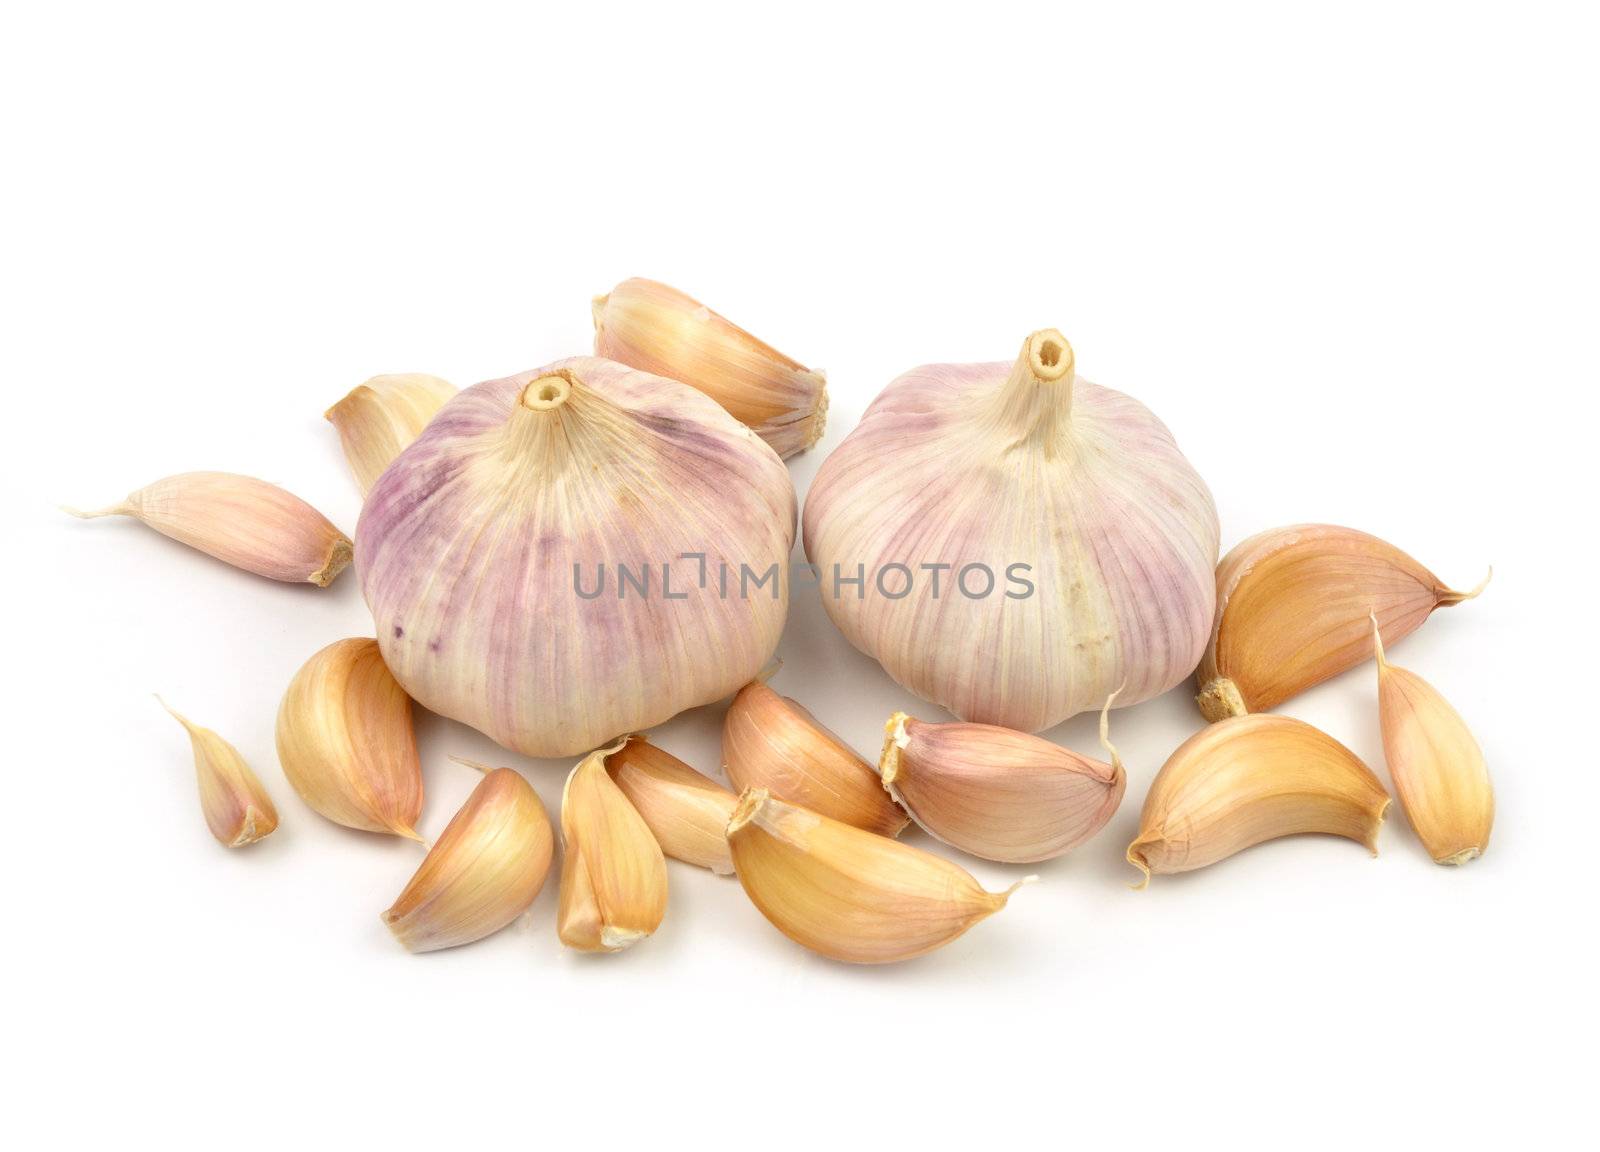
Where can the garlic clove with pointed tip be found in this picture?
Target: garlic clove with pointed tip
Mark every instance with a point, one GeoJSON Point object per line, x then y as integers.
{"type": "Point", "coordinates": [1292, 607]}
{"type": "Point", "coordinates": [613, 876]}
{"type": "Point", "coordinates": [686, 812]}
{"type": "Point", "coordinates": [658, 329]}
{"type": "Point", "coordinates": [236, 806]}
{"type": "Point", "coordinates": [346, 743]}
{"type": "Point", "coordinates": [483, 871]}
{"type": "Point", "coordinates": [772, 742]}
{"type": "Point", "coordinates": [1437, 767]}
{"type": "Point", "coordinates": [850, 894]}
{"type": "Point", "coordinates": [997, 793]}
{"type": "Point", "coordinates": [242, 521]}
{"type": "Point", "coordinates": [1249, 779]}
{"type": "Point", "coordinates": [378, 419]}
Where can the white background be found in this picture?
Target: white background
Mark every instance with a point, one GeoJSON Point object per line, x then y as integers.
{"type": "Point", "coordinates": [1348, 257]}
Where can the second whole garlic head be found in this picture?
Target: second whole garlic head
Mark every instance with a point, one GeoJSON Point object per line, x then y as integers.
{"type": "Point", "coordinates": [548, 562]}
{"type": "Point", "coordinates": [1026, 542]}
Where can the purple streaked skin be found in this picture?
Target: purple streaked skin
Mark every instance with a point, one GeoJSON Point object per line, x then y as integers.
{"type": "Point", "coordinates": [466, 549]}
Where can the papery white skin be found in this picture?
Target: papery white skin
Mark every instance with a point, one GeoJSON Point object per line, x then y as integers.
{"type": "Point", "coordinates": [467, 544]}
{"type": "Point", "coordinates": [1002, 464]}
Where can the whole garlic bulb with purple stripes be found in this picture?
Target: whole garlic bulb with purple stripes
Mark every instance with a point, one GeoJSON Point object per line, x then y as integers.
{"type": "Point", "coordinates": [571, 554]}
{"type": "Point", "coordinates": [1015, 543]}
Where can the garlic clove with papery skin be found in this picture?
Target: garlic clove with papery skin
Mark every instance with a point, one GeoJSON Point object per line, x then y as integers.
{"type": "Point", "coordinates": [1013, 542]}
{"type": "Point", "coordinates": [1249, 779]}
{"type": "Point", "coordinates": [346, 743]}
{"type": "Point", "coordinates": [656, 328]}
{"type": "Point", "coordinates": [687, 812]}
{"type": "Point", "coordinates": [483, 871]}
{"type": "Point", "coordinates": [998, 793]}
{"type": "Point", "coordinates": [236, 806]}
{"type": "Point", "coordinates": [1437, 767]}
{"type": "Point", "coordinates": [1292, 608]}
{"type": "Point", "coordinates": [242, 521]}
{"type": "Point", "coordinates": [376, 420]}
{"type": "Point", "coordinates": [613, 876]}
{"type": "Point", "coordinates": [577, 552]}
{"type": "Point", "coordinates": [773, 742]}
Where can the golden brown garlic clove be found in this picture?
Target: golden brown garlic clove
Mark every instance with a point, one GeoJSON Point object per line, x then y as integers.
{"type": "Point", "coordinates": [613, 876]}
{"type": "Point", "coordinates": [686, 812]}
{"type": "Point", "coordinates": [378, 419]}
{"type": "Point", "coordinates": [236, 806]}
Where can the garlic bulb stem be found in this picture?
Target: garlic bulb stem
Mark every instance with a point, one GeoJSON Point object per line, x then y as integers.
{"type": "Point", "coordinates": [1036, 400]}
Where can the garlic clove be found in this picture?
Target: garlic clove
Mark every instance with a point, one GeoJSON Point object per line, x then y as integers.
{"type": "Point", "coordinates": [1249, 779]}
{"type": "Point", "coordinates": [346, 743]}
{"type": "Point", "coordinates": [660, 330]}
{"type": "Point", "coordinates": [1292, 607]}
{"type": "Point", "coordinates": [378, 419]}
{"type": "Point", "coordinates": [1013, 542]}
{"type": "Point", "coordinates": [236, 806]}
{"type": "Point", "coordinates": [846, 893]}
{"type": "Point", "coordinates": [685, 811]}
{"type": "Point", "coordinates": [1437, 767]}
{"type": "Point", "coordinates": [484, 871]}
{"type": "Point", "coordinates": [613, 876]}
{"type": "Point", "coordinates": [573, 553]}
{"type": "Point", "coordinates": [771, 742]}
{"type": "Point", "coordinates": [996, 793]}
{"type": "Point", "coordinates": [242, 521]}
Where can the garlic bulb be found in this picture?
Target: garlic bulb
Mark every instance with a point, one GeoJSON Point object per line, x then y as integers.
{"type": "Point", "coordinates": [658, 329]}
{"type": "Point", "coordinates": [1014, 543]}
{"type": "Point", "coordinates": [578, 552]}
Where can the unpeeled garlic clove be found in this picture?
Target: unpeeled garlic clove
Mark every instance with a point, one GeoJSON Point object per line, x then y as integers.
{"type": "Point", "coordinates": [378, 419]}
{"type": "Point", "coordinates": [1249, 779]}
{"type": "Point", "coordinates": [771, 742]}
{"type": "Point", "coordinates": [242, 521]}
{"type": "Point", "coordinates": [998, 793]}
{"type": "Point", "coordinates": [613, 876]}
{"type": "Point", "coordinates": [686, 812]}
{"type": "Point", "coordinates": [1437, 767]}
{"type": "Point", "coordinates": [483, 872]}
{"type": "Point", "coordinates": [849, 894]}
{"type": "Point", "coordinates": [1292, 607]}
{"type": "Point", "coordinates": [346, 743]}
{"type": "Point", "coordinates": [658, 329]}
{"type": "Point", "coordinates": [236, 806]}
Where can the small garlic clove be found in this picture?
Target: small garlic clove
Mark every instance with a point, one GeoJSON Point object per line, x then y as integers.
{"type": "Point", "coordinates": [346, 743]}
{"type": "Point", "coordinates": [613, 876]}
{"type": "Point", "coordinates": [482, 873]}
{"type": "Point", "coordinates": [1249, 779]}
{"type": "Point", "coordinates": [658, 329]}
{"type": "Point", "coordinates": [378, 419]}
{"type": "Point", "coordinates": [1292, 607]}
{"type": "Point", "coordinates": [686, 811]}
{"type": "Point", "coordinates": [1437, 767]}
{"type": "Point", "coordinates": [849, 894]}
{"type": "Point", "coordinates": [242, 521]}
{"type": "Point", "coordinates": [771, 742]}
{"type": "Point", "coordinates": [997, 793]}
{"type": "Point", "coordinates": [236, 806]}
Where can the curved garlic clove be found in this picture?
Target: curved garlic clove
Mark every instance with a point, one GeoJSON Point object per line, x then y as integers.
{"type": "Point", "coordinates": [376, 420]}
{"type": "Point", "coordinates": [1249, 779]}
{"type": "Point", "coordinates": [1013, 542]}
{"type": "Point", "coordinates": [483, 872]}
{"type": "Point", "coordinates": [533, 560]}
{"type": "Point", "coordinates": [658, 329]}
{"type": "Point", "coordinates": [346, 744]}
{"type": "Point", "coordinates": [770, 741]}
{"type": "Point", "coordinates": [686, 812]}
{"type": "Point", "coordinates": [1437, 767]}
{"type": "Point", "coordinates": [998, 793]}
{"type": "Point", "coordinates": [850, 894]}
{"type": "Point", "coordinates": [1292, 608]}
{"type": "Point", "coordinates": [236, 807]}
{"type": "Point", "coordinates": [242, 521]}
{"type": "Point", "coordinates": [613, 876]}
